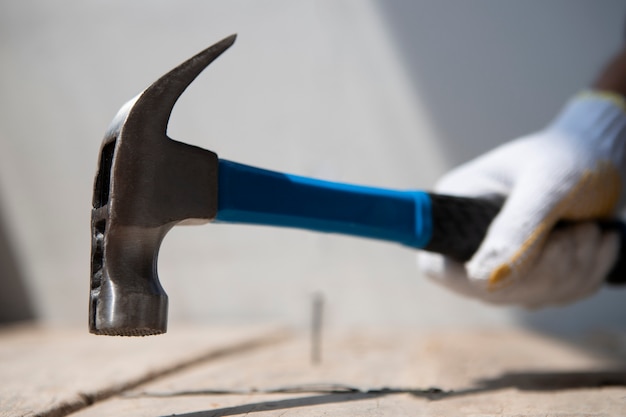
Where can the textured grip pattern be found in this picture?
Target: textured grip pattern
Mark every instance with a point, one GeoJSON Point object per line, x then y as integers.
{"type": "Point", "coordinates": [460, 225]}
{"type": "Point", "coordinates": [617, 276]}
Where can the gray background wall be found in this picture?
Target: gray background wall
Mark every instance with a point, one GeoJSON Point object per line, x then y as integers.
{"type": "Point", "coordinates": [383, 93]}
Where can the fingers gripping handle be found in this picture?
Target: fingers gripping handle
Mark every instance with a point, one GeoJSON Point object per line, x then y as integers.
{"type": "Point", "coordinates": [452, 226]}
{"type": "Point", "coordinates": [460, 225]}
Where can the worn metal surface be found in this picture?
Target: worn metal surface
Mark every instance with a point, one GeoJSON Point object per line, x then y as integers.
{"type": "Point", "coordinates": [146, 183]}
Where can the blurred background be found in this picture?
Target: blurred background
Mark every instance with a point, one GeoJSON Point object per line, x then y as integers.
{"type": "Point", "coordinates": [383, 93]}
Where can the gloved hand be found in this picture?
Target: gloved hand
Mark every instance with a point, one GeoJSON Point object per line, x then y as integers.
{"type": "Point", "coordinates": [573, 170]}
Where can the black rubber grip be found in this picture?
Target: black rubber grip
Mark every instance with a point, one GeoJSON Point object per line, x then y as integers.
{"type": "Point", "coordinates": [460, 225]}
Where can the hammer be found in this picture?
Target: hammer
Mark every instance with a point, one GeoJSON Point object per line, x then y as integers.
{"type": "Point", "coordinates": [147, 183]}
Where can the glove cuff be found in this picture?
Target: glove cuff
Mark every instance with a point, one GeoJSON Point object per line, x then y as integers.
{"type": "Point", "coordinates": [615, 98]}
{"type": "Point", "coordinates": [596, 117]}
{"type": "Point", "coordinates": [595, 123]}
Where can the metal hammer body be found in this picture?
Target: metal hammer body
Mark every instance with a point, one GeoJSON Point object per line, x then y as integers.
{"type": "Point", "coordinates": [147, 183]}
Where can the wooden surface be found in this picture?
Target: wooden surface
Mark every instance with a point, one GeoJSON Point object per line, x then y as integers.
{"type": "Point", "coordinates": [54, 371]}
{"type": "Point", "coordinates": [263, 372]}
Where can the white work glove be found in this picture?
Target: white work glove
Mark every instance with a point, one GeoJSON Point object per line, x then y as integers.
{"type": "Point", "coordinates": [573, 170]}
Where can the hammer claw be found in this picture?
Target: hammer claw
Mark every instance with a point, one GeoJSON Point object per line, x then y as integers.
{"type": "Point", "coordinates": [158, 100]}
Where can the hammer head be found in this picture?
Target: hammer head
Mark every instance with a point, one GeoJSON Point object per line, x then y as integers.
{"type": "Point", "coordinates": [146, 183]}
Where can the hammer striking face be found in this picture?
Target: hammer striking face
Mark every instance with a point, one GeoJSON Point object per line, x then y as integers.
{"type": "Point", "coordinates": [147, 183]}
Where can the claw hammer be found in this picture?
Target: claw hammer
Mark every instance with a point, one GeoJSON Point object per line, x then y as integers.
{"type": "Point", "coordinates": [147, 183]}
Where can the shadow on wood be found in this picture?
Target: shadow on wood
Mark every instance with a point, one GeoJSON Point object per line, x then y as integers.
{"type": "Point", "coordinates": [522, 381]}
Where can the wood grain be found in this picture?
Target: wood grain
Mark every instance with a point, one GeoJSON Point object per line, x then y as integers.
{"type": "Point", "coordinates": [54, 371]}
{"type": "Point", "coordinates": [393, 372]}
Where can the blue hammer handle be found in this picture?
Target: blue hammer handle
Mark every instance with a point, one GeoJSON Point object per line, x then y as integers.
{"type": "Point", "coordinates": [252, 195]}
{"type": "Point", "coordinates": [453, 226]}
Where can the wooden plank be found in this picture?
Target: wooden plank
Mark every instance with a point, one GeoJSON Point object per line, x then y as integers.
{"type": "Point", "coordinates": [480, 373]}
{"type": "Point", "coordinates": [54, 371]}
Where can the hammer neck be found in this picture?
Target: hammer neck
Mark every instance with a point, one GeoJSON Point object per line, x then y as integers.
{"type": "Point", "coordinates": [256, 196]}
